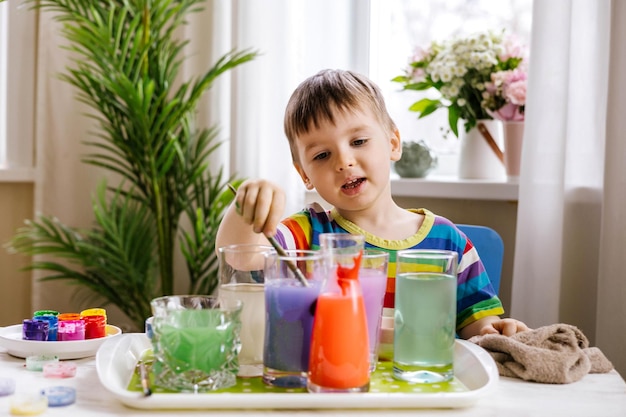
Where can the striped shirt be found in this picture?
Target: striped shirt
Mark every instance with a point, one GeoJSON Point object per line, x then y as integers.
{"type": "Point", "coordinates": [476, 297]}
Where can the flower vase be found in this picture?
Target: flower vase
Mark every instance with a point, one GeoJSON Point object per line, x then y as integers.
{"type": "Point", "coordinates": [478, 159]}
{"type": "Point", "coordinates": [513, 135]}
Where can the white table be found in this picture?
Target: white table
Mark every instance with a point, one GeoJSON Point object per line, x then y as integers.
{"type": "Point", "coordinates": [602, 395]}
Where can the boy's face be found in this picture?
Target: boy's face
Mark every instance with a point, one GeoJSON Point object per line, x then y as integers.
{"type": "Point", "coordinates": [348, 162]}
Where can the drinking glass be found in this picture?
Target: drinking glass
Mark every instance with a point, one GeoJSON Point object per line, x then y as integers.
{"type": "Point", "coordinates": [372, 277]}
{"type": "Point", "coordinates": [425, 315]}
{"type": "Point", "coordinates": [373, 280]}
{"type": "Point", "coordinates": [289, 310]}
{"type": "Point", "coordinates": [340, 355]}
{"type": "Point", "coordinates": [241, 278]}
{"type": "Point", "coordinates": [195, 342]}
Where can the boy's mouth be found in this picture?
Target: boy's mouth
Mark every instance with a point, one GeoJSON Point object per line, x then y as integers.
{"type": "Point", "coordinates": [353, 183]}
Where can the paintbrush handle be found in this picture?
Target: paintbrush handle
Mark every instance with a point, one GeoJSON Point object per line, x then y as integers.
{"type": "Point", "coordinates": [145, 379]}
{"type": "Point", "coordinates": [292, 265]}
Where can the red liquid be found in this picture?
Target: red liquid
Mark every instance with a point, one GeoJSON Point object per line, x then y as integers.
{"type": "Point", "coordinates": [340, 347]}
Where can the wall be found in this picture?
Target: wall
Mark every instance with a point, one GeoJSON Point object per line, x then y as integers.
{"type": "Point", "coordinates": [16, 205]}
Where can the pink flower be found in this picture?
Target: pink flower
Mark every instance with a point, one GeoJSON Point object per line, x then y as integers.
{"type": "Point", "coordinates": [506, 94]}
{"type": "Point", "coordinates": [509, 112]}
{"type": "Point", "coordinates": [515, 93]}
{"type": "Point", "coordinates": [513, 48]}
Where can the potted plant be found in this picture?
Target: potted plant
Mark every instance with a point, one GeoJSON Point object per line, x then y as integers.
{"type": "Point", "coordinates": [125, 67]}
{"type": "Point", "coordinates": [461, 70]}
{"type": "Point", "coordinates": [467, 75]}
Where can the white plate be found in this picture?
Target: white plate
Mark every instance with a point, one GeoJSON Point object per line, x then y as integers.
{"type": "Point", "coordinates": [117, 358]}
{"type": "Point", "coordinates": [11, 340]}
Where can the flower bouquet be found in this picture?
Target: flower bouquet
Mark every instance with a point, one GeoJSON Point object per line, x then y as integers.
{"type": "Point", "coordinates": [481, 76]}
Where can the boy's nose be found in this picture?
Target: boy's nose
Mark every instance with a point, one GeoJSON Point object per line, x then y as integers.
{"type": "Point", "coordinates": [345, 161]}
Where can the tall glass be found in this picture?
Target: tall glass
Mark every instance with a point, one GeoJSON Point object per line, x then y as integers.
{"type": "Point", "coordinates": [425, 315]}
{"type": "Point", "coordinates": [241, 278]}
{"type": "Point", "coordinates": [373, 280]}
{"type": "Point", "coordinates": [289, 310]}
{"type": "Point", "coordinates": [195, 342]}
{"type": "Point", "coordinates": [372, 277]}
{"type": "Point", "coordinates": [340, 355]}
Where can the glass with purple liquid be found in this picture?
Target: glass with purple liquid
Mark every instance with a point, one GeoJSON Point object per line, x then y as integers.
{"type": "Point", "coordinates": [373, 280]}
{"type": "Point", "coordinates": [289, 310]}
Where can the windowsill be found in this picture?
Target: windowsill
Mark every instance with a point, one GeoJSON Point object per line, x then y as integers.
{"type": "Point", "coordinates": [444, 186]}
{"type": "Point", "coordinates": [17, 175]}
{"type": "Point", "coordinates": [440, 186]}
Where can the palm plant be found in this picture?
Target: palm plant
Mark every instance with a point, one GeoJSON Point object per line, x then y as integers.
{"type": "Point", "coordinates": [125, 67]}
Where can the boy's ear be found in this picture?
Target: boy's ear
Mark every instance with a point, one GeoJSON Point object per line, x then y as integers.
{"type": "Point", "coordinates": [396, 145]}
{"type": "Point", "coordinates": [305, 178]}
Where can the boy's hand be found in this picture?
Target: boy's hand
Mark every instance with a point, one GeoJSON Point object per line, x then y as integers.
{"type": "Point", "coordinates": [506, 327]}
{"type": "Point", "coordinates": [493, 325]}
{"type": "Point", "coordinates": [260, 204]}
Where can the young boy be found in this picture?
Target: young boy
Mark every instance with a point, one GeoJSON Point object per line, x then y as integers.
{"type": "Point", "coordinates": [342, 140]}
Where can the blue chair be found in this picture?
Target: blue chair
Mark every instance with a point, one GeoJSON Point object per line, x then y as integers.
{"type": "Point", "coordinates": [490, 248]}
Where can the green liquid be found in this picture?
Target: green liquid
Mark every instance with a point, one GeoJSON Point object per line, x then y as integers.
{"type": "Point", "coordinates": [425, 317]}
{"type": "Point", "coordinates": [193, 347]}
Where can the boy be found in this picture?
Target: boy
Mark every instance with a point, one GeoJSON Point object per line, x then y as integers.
{"type": "Point", "coordinates": [342, 140]}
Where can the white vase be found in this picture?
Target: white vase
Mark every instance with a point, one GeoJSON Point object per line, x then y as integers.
{"type": "Point", "coordinates": [477, 159]}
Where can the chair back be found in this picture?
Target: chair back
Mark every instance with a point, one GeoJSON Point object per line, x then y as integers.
{"type": "Point", "coordinates": [490, 248]}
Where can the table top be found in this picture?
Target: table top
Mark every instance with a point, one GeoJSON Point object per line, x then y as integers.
{"type": "Point", "coordinates": [594, 395]}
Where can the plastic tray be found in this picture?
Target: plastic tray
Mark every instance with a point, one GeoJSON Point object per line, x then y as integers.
{"type": "Point", "coordinates": [475, 375]}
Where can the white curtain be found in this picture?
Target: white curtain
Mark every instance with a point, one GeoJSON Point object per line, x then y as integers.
{"type": "Point", "coordinates": [295, 38]}
{"type": "Point", "coordinates": [571, 223]}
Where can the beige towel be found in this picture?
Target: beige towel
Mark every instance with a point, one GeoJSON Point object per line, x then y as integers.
{"type": "Point", "coordinates": [555, 354]}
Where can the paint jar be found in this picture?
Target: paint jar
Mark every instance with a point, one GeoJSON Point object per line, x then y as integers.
{"type": "Point", "coordinates": [45, 313]}
{"type": "Point", "coordinates": [93, 312]}
{"type": "Point", "coordinates": [71, 330]}
{"type": "Point", "coordinates": [95, 326]}
{"type": "Point", "coordinates": [52, 326]}
{"type": "Point", "coordinates": [34, 330]}
{"type": "Point", "coordinates": [95, 322]}
{"type": "Point", "coordinates": [68, 316]}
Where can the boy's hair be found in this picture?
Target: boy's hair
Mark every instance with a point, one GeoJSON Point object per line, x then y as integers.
{"type": "Point", "coordinates": [316, 98]}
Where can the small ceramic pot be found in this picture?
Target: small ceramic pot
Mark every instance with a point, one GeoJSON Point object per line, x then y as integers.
{"type": "Point", "coordinates": [417, 160]}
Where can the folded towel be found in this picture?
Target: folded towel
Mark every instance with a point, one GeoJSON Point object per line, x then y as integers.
{"type": "Point", "coordinates": [554, 354]}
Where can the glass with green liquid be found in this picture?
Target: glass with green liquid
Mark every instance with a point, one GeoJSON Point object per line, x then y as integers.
{"type": "Point", "coordinates": [195, 342]}
{"type": "Point", "coordinates": [425, 315]}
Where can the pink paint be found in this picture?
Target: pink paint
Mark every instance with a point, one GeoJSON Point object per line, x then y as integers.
{"type": "Point", "coordinates": [71, 330]}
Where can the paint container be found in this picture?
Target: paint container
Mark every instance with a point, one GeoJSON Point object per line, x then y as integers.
{"type": "Point", "coordinates": [52, 326]}
{"type": "Point", "coordinates": [71, 330]}
{"type": "Point", "coordinates": [35, 330]}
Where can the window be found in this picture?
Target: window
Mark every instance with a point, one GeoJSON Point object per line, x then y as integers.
{"type": "Point", "coordinates": [17, 88]}
{"type": "Point", "coordinates": [398, 26]}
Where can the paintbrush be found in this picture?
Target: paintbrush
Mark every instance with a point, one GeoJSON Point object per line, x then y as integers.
{"type": "Point", "coordinates": [145, 379]}
{"type": "Point", "coordinates": [279, 249]}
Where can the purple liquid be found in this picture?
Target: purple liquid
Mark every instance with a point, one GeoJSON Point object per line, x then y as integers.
{"type": "Point", "coordinates": [289, 322]}
{"type": "Point", "coordinates": [373, 285]}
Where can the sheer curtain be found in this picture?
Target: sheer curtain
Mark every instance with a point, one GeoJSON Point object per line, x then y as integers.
{"type": "Point", "coordinates": [571, 224]}
{"type": "Point", "coordinates": [295, 39]}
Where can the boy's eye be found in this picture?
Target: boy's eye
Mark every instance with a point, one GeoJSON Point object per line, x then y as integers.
{"type": "Point", "coordinates": [359, 142]}
{"type": "Point", "coordinates": [320, 156]}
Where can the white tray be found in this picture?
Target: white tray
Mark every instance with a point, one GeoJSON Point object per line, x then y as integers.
{"type": "Point", "coordinates": [11, 340]}
{"type": "Point", "coordinates": [117, 358]}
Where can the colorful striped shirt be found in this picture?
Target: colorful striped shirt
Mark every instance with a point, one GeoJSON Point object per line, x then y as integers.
{"type": "Point", "coordinates": [476, 297]}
